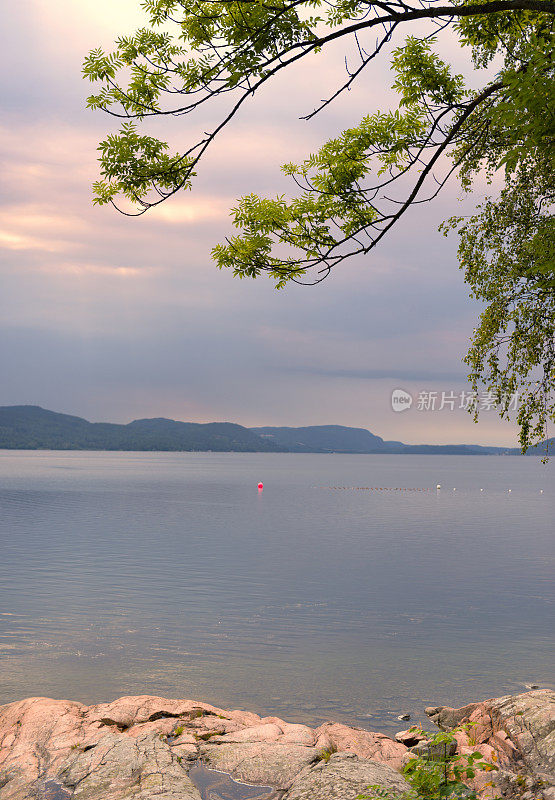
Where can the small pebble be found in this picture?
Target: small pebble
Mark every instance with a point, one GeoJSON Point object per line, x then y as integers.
{"type": "Point", "coordinates": [404, 717]}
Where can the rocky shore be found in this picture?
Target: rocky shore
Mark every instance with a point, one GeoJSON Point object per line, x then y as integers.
{"type": "Point", "coordinates": [138, 748]}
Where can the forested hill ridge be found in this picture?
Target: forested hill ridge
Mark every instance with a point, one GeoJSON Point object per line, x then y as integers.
{"type": "Point", "coordinates": [35, 428]}
{"type": "Point", "coordinates": [340, 439]}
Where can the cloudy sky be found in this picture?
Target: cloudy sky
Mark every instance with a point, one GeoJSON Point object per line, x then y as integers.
{"type": "Point", "coordinates": [114, 318]}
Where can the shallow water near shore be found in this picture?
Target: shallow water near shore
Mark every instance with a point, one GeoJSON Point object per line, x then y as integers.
{"type": "Point", "coordinates": [170, 574]}
{"type": "Point", "coordinates": [214, 785]}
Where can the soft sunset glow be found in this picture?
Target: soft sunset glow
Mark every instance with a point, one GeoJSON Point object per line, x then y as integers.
{"type": "Point", "coordinates": [401, 313]}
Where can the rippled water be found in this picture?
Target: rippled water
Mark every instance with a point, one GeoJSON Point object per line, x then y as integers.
{"type": "Point", "coordinates": [169, 573]}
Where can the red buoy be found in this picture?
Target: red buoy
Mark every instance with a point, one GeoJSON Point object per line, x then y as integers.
{"type": "Point", "coordinates": [260, 485]}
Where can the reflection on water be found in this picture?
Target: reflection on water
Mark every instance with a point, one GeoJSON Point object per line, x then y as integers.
{"type": "Point", "coordinates": [214, 785]}
{"type": "Point", "coordinates": [169, 573]}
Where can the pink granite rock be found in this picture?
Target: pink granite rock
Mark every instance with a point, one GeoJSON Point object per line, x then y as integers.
{"type": "Point", "coordinates": [143, 747]}
{"type": "Point", "coordinates": [264, 763]}
{"type": "Point", "coordinates": [516, 733]}
{"type": "Point", "coordinates": [364, 744]}
{"type": "Point", "coordinates": [128, 711]}
{"type": "Point", "coordinates": [268, 732]}
{"type": "Point", "coordinates": [243, 718]}
{"type": "Point", "coordinates": [298, 734]}
{"type": "Point", "coordinates": [410, 737]}
{"type": "Point", "coordinates": [62, 748]}
{"type": "Point", "coordinates": [345, 777]}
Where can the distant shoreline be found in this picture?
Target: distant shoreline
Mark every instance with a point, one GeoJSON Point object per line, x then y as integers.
{"type": "Point", "coordinates": [32, 428]}
{"type": "Point", "coordinates": [4, 449]}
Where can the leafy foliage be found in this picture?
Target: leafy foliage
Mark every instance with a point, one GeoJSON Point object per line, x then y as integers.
{"type": "Point", "coordinates": [508, 253]}
{"type": "Point", "coordinates": [131, 162]}
{"type": "Point", "coordinates": [343, 203]}
{"type": "Point", "coordinates": [436, 775]}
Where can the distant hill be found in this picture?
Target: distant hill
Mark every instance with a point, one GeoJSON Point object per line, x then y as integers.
{"type": "Point", "coordinates": [338, 439]}
{"type": "Point", "coordinates": [323, 439]}
{"type": "Point", "coordinates": [35, 428]}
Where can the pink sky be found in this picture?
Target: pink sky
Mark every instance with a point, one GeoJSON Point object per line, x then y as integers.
{"type": "Point", "coordinates": [113, 318]}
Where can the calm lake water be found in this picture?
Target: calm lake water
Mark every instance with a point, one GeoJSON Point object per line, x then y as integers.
{"type": "Point", "coordinates": [170, 574]}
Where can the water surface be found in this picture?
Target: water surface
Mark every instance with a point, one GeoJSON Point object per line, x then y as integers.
{"type": "Point", "coordinates": [170, 574]}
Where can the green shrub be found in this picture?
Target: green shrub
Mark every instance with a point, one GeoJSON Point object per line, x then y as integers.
{"type": "Point", "coordinates": [434, 776]}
